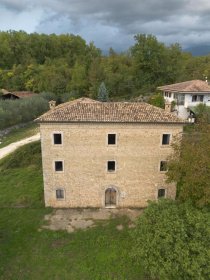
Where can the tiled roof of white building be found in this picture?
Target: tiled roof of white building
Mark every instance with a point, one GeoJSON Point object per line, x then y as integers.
{"type": "Point", "coordinates": [188, 86]}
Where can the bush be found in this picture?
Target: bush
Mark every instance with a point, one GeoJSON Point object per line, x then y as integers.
{"type": "Point", "coordinates": [157, 100]}
{"type": "Point", "coordinates": [13, 112]}
{"type": "Point", "coordinates": [172, 241]}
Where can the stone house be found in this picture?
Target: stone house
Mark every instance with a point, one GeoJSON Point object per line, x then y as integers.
{"type": "Point", "coordinates": [106, 154]}
{"type": "Point", "coordinates": [186, 96]}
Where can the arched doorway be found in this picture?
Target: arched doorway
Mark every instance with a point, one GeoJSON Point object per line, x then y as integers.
{"type": "Point", "coordinates": [110, 197]}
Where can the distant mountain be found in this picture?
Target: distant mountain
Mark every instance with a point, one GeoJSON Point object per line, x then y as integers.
{"type": "Point", "coordinates": [198, 50]}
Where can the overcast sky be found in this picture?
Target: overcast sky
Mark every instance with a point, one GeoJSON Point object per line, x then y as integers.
{"type": "Point", "coordinates": [112, 23]}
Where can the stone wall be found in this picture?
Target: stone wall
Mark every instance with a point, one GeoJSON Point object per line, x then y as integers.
{"type": "Point", "coordinates": [85, 153]}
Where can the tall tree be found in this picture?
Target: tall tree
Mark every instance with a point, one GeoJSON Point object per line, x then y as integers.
{"type": "Point", "coordinates": [189, 166]}
{"type": "Point", "coordinates": [103, 93]}
{"type": "Point", "coordinates": [154, 63]}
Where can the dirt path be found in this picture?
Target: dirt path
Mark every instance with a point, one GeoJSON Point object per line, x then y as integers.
{"type": "Point", "coordinates": [13, 146]}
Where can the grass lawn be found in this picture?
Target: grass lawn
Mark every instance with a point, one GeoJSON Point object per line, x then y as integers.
{"type": "Point", "coordinates": [19, 134]}
{"type": "Point", "coordinates": [29, 252]}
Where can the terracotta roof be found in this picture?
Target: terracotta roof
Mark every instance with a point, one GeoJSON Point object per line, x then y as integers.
{"type": "Point", "coordinates": [4, 91]}
{"type": "Point", "coordinates": [19, 94]}
{"type": "Point", "coordinates": [23, 94]}
{"type": "Point", "coordinates": [88, 110]}
{"type": "Point", "coordinates": [188, 86]}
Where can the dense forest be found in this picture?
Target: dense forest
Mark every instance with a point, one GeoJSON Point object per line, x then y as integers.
{"type": "Point", "coordinates": [66, 64]}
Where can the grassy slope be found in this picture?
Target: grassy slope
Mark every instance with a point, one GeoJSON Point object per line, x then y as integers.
{"type": "Point", "coordinates": [19, 134]}
{"type": "Point", "coordinates": [21, 183]}
{"type": "Point", "coordinates": [26, 252]}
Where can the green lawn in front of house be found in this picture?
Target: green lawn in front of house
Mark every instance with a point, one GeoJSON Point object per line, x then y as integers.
{"type": "Point", "coordinates": [28, 252]}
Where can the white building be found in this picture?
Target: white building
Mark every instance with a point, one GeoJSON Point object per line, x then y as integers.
{"type": "Point", "coordinates": [186, 96]}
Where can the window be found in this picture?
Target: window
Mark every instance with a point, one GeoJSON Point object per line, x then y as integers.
{"type": "Point", "coordinates": [161, 193]}
{"type": "Point", "coordinates": [111, 165]}
{"type": "Point", "coordinates": [59, 193]}
{"type": "Point", "coordinates": [197, 98]}
{"type": "Point", "coordinates": [57, 138]}
{"type": "Point", "coordinates": [58, 165]}
{"type": "Point", "coordinates": [163, 166]}
{"type": "Point", "coordinates": [165, 139]}
{"type": "Point", "coordinates": [111, 139]}
{"type": "Point", "coordinates": [167, 94]}
{"type": "Point", "coordinates": [180, 99]}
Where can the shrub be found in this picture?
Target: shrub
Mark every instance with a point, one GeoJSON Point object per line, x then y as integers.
{"type": "Point", "coordinates": [157, 100]}
{"type": "Point", "coordinates": [172, 241]}
{"type": "Point", "coordinates": [24, 110]}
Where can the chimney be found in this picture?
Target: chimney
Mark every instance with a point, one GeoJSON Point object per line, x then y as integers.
{"type": "Point", "coordinates": [168, 106]}
{"type": "Point", "coordinates": [52, 104]}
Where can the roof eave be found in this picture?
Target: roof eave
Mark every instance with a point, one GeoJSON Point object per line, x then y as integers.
{"type": "Point", "coordinates": [184, 92]}
{"type": "Point", "coordinates": [118, 122]}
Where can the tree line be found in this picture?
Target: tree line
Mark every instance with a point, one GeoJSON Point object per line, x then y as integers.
{"type": "Point", "coordinates": [67, 64]}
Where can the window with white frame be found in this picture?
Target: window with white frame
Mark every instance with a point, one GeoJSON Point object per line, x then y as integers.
{"type": "Point", "coordinates": [111, 165]}
{"type": "Point", "coordinates": [111, 139]}
{"type": "Point", "coordinates": [197, 98]}
{"type": "Point", "coordinates": [60, 194]}
{"type": "Point", "coordinates": [57, 138]}
{"type": "Point", "coordinates": [58, 165]}
{"type": "Point", "coordinates": [180, 99]}
{"type": "Point", "coordinates": [166, 139]}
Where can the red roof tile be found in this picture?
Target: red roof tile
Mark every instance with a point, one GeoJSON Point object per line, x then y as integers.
{"type": "Point", "coordinates": [188, 86]}
{"type": "Point", "coordinates": [88, 110]}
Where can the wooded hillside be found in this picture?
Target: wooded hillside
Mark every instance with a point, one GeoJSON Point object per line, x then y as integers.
{"type": "Point", "coordinates": [67, 64]}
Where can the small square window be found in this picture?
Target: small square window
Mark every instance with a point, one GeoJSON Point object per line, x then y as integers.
{"type": "Point", "coordinates": [165, 139]}
{"type": "Point", "coordinates": [161, 193]}
{"type": "Point", "coordinates": [163, 166]}
{"type": "Point", "coordinates": [111, 165]}
{"type": "Point", "coordinates": [58, 166]}
{"type": "Point", "coordinates": [59, 194]}
{"type": "Point", "coordinates": [57, 138]}
{"type": "Point", "coordinates": [111, 139]}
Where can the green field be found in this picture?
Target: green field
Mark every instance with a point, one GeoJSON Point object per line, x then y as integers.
{"type": "Point", "coordinates": [29, 252]}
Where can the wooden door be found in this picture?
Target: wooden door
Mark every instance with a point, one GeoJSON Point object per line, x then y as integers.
{"type": "Point", "coordinates": [110, 197]}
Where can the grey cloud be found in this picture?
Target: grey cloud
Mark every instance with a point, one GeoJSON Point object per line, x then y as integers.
{"type": "Point", "coordinates": [15, 5]}
{"type": "Point", "coordinates": [132, 16]}
{"type": "Point", "coordinates": [114, 21]}
{"type": "Point", "coordinates": [118, 12]}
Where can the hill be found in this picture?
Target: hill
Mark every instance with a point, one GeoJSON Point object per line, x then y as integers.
{"type": "Point", "coordinates": [199, 50]}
